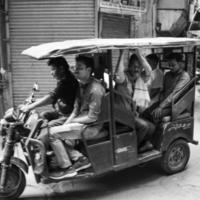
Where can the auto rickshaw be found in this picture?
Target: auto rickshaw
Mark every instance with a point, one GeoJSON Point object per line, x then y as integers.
{"type": "Point", "coordinates": [118, 148]}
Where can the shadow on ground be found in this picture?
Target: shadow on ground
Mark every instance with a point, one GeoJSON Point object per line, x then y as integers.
{"type": "Point", "coordinates": [109, 184]}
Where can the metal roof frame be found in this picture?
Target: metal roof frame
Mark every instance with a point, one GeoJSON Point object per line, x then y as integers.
{"type": "Point", "coordinates": [55, 49]}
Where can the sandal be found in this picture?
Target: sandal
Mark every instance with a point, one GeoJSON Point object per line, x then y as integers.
{"type": "Point", "coordinates": [146, 147]}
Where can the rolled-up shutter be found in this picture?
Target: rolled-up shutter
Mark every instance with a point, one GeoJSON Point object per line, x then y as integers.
{"type": "Point", "coordinates": [115, 26]}
{"type": "Point", "coordinates": [33, 22]}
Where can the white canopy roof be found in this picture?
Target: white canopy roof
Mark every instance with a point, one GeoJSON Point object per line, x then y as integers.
{"type": "Point", "coordinates": [55, 49]}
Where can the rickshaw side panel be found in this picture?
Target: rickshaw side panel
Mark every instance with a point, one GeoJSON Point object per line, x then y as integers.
{"type": "Point", "coordinates": [124, 117]}
{"type": "Point", "coordinates": [182, 128]}
{"type": "Point", "coordinates": [126, 148]}
{"type": "Point", "coordinates": [101, 156]}
{"type": "Point", "coordinates": [182, 123]}
{"type": "Point", "coordinates": [184, 100]}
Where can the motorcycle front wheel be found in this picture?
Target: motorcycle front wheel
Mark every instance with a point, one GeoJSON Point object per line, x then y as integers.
{"type": "Point", "coordinates": [15, 184]}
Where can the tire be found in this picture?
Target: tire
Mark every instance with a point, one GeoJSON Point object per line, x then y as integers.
{"type": "Point", "coordinates": [176, 157]}
{"type": "Point", "coordinates": [15, 184]}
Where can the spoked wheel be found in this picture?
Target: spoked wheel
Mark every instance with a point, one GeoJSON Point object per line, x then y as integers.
{"type": "Point", "coordinates": [176, 157]}
{"type": "Point", "coordinates": [15, 184]}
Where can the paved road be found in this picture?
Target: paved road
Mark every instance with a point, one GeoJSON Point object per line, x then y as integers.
{"type": "Point", "coordinates": [145, 182]}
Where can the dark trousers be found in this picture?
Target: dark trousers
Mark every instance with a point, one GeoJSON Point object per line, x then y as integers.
{"type": "Point", "coordinates": [144, 129]}
{"type": "Point", "coordinates": [54, 118]}
{"type": "Point", "coordinates": [147, 114]}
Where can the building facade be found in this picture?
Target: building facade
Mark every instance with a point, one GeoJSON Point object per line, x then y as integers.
{"type": "Point", "coordinates": [32, 22]}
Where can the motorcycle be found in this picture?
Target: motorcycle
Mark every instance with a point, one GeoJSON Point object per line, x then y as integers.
{"type": "Point", "coordinates": [21, 130]}
{"type": "Point", "coordinates": [15, 129]}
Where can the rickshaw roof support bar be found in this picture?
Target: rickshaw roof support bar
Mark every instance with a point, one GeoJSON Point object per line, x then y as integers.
{"type": "Point", "coordinates": [112, 127]}
{"type": "Point", "coordinates": [194, 73]}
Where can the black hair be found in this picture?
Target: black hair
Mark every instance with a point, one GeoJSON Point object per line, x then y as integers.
{"type": "Point", "coordinates": [153, 57]}
{"type": "Point", "coordinates": [58, 62]}
{"type": "Point", "coordinates": [132, 58]}
{"type": "Point", "coordinates": [177, 56]}
{"type": "Point", "coordinates": [88, 61]}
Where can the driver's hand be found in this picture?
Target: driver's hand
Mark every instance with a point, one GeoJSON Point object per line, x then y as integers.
{"type": "Point", "coordinates": [157, 113]}
{"type": "Point", "coordinates": [25, 108]}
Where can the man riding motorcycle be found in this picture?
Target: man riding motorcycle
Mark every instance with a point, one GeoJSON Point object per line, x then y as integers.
{"type": "Point", "coordinates": [63, 95]}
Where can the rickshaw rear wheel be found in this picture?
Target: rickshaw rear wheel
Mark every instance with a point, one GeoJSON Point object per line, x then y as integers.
{"type": "Point", "coordinates": [176, 157]}
{"type": "Point", "coordinates": [15, 184]}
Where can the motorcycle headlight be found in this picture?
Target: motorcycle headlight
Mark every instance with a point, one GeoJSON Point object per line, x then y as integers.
{"type": "Point", "coordinates": [31, 120]}
{"type": "Point", "coordinates": [11, 115]}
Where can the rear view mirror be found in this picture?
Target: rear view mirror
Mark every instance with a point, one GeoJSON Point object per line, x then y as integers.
{"type": "Point", "coordinates": [35, 87]}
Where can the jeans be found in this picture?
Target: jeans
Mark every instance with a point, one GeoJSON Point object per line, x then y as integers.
{"type": "Point", "coordinates": [54, 119]}
{"type": "Point", "coordinates": [65, 133]}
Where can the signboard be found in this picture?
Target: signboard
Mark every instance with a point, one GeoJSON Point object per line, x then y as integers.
{"type": "Point", "coordinates": [123, 7]}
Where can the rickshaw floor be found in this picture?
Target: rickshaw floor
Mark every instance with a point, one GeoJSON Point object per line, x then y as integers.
{"type": "Point", "coordinates": [149, 155]}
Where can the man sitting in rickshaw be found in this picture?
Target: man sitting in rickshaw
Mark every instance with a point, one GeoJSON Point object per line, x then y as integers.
{"type": "Point", "coordinates": [174, 80]}
{"type": "Point", "coordinates": [132, 83]}
{"type": "Point", "coordinates": [86, 110]}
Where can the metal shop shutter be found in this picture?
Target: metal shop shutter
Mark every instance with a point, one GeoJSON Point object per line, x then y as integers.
{"type": "Point", "coordinates": [33, 22]}
{"type": "Point", "coordinates": [115, 26]}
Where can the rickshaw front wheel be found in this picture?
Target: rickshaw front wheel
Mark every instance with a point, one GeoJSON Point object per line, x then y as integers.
{"type": "Point", "coordinates": [15, 184]}
{"type": "Point", "coordinates": [176, 157]}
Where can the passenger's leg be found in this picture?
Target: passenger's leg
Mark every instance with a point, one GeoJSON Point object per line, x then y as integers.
{"type": "Point", "coordinates": [69, 133]}
{"type": "Point", "coordinates": [145, 130]}
{"type": "Point", "coordinates": [80, 161]}
{"type": "Point", "coordinates": [141, 129]}
{"type": "Point", "coordinates": [62, 157]}
{"type": "Point", "coordinates": [147, 114]}
{"type": "Point", "coordinates": [49, 116]}
{"type": "Point", "coordinates": [60, 152]}
{"type": "Point", "coordinates": [44, 133]}
{"type": "Point", "coordinates": [44, 137]}
{"type": "Point", "coordinates": [57, 135]}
